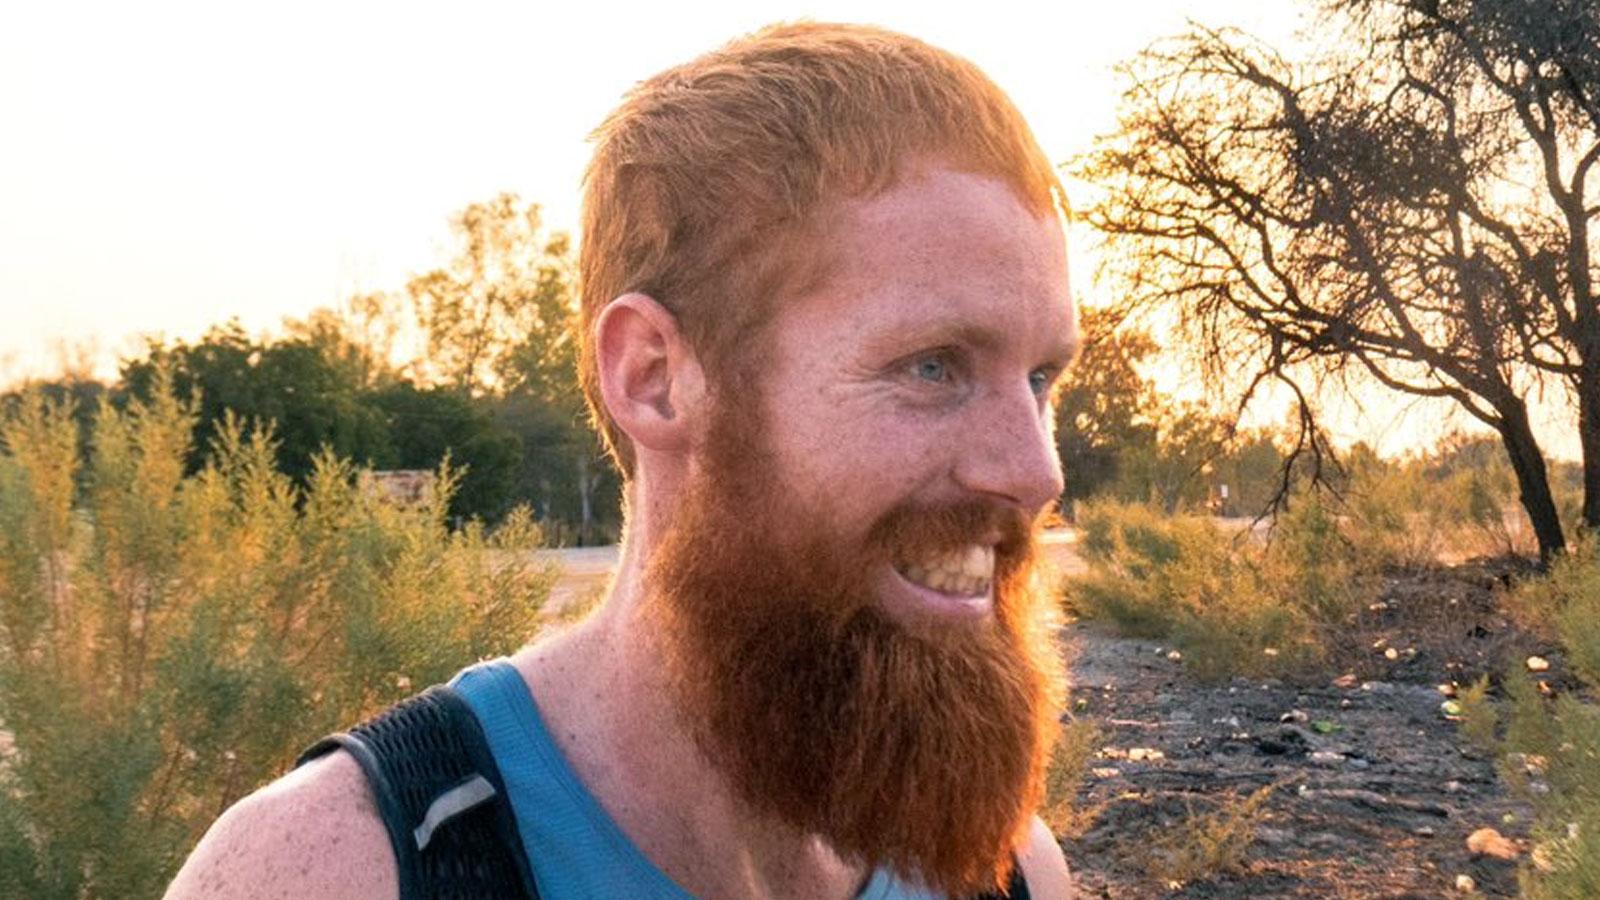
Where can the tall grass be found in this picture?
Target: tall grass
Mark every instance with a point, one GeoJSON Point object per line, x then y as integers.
{"type": "Point", "coordinates": [1230, 607]}
{"type": "Point", "coordinates": [169, 642]}
{"type": "Point", "coordinates": [1237, 605]}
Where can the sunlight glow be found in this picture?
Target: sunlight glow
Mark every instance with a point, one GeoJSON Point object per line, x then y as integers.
{"type": "Point", "coordinates": [173, 165]}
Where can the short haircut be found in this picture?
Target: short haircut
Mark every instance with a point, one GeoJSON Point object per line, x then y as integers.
{"type": "Point", "coordinates": [709, 184]}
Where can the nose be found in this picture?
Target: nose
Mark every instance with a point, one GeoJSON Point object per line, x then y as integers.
{"type": "Point", "coordinates": [1010, 455]}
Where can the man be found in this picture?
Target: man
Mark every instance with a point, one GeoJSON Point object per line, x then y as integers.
{"type": "Point", "coordinates": [824, 304]}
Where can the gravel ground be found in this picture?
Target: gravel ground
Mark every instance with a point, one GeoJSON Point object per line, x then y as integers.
{"type": "Point", "coordinates": [1375, 792]}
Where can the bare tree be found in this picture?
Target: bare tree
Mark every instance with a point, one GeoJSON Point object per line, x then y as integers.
{"type": "Point", "coordinates": [1411, 207]}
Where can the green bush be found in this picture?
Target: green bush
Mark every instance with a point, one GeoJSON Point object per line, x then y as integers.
{"type": "Point", "coordinates": [1550, 748]}
{"type": "Point", "coordinates": [1220, 599]}
{"type": "Point", "coordinates": [1312, 563]}
{"type": "Point", "coordinates": [1399, 518]}
{"type": "Point", "coordinates": [169, 642]}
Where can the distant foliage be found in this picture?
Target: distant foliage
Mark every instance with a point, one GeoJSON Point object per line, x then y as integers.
{"type": "Point", "coordinates": [501, 322]}
{"type": "Point", "coordinates": [1103, 404]}
{"type": "Point", "coordinates": [1456, 502]}
{"type": "Point", "coordinates": [170, 640]}
{"type": "Point", "coordinates": [317, 391]}
{"type": "Point", "coordinates": [311, 387]}
{"type": "Point", "coordinates": [1119, 437]}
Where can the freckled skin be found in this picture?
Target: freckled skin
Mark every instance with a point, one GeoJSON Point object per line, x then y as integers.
{"type": "Point", "coordinates": [313, 834]}
{"type": "Point", "coordinates": [921, 368]}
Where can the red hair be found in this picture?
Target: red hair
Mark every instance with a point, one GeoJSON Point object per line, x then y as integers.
{"type": "Point", "coordinates": [709, 183]}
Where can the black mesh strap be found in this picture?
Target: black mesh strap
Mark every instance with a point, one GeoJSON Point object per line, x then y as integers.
{"type": "Point", "coordinates": [441, 798]}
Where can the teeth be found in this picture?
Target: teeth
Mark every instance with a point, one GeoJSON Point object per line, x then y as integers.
{"type": "Point", "coordinates": [964, 572]}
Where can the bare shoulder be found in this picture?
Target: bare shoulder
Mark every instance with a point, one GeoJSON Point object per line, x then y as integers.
{"type": "Point", "coordinates": [312, 834]}
{"type": "Point", "coordinates": [1044, 865]}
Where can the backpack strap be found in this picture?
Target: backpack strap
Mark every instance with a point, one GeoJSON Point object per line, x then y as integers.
{"type": "Point", "coordinates": [1016, 889]}
{"type": "Point", "coordinates": [441, 799]}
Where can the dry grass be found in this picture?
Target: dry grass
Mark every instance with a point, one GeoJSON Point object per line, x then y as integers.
{"type": "Point", "coordinates": [1069, 762]}
{"type": "Point", "coordinates": [578, 608]}
{"type": "Point", "coordinates": [1549, 746]}
{"type": "Point", "coordinates": [1213, 843]}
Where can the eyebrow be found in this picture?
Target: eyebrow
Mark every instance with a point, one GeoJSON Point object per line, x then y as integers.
{"type": "Point", "coordinates": [1063, 351]}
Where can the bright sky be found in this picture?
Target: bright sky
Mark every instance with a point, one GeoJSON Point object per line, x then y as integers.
{"type": "Point", "coordinates": [169, 165]}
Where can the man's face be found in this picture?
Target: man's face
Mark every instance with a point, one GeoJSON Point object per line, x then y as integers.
{"type": "Point", "coordinates": [846, 597]}
{"type": "Point", "coordinates": [918, 375]}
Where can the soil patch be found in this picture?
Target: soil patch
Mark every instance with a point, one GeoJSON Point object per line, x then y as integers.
{"type": "Point", "coordinates": [1375, 791]}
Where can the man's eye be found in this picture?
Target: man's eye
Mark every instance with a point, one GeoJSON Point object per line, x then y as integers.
{"type": "Point", "coordinates": [1039, 380]}
{"type": "Point", "coordinates": [932, 368]}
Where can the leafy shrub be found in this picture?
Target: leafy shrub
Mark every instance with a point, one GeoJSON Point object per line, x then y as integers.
{"type": "Point", "coordinates": [168, 642]}
{"type": "Point", "coordinates": [1398, 518]}
{"type": "Point", "coordinates": [1456, 503]}
{"type": "Point", "coordinates": [1550, 748]}
{"type": "Point", "coordinates": [1218, 598]}
{"type": "Point", "coordinates": [1313, 564]}
{"type": "Point", "coordinates": [1249, 632]}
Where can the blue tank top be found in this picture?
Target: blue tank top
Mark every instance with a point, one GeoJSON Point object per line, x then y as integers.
{"type": "Point", "coordinates": [575, 849]}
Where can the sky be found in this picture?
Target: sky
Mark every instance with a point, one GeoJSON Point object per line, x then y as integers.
{"type": "Point", "coordinates": [167, 166]}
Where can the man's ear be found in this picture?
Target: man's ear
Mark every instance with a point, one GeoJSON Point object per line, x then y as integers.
{"type": "Point", "coordinates": [650, 379]}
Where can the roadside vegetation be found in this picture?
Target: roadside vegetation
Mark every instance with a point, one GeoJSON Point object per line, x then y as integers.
{"type": "Point", "coordinates": [170, 639]}
{"type": "Point", "coordinates": [191, 580]}
{"type": "Point", "coordinates": [1270, 596]}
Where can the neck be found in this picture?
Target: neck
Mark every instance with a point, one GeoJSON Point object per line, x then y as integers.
{"type": "Point", "coordinates": [603, 690]}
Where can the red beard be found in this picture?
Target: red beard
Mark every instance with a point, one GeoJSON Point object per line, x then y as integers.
{"type": "Point", "coordinates": [922, 749]}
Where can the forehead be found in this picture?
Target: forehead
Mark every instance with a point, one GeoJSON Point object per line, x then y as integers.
{"type": "Point", "coordinates": [941, 250]}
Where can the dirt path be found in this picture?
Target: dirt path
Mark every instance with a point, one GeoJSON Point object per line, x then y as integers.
{"type": "Point", "coordinates": [1375, 796]}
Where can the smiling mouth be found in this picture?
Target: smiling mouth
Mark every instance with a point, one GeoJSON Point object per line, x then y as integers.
{"type": "Point", "coordinates": [963, 572]}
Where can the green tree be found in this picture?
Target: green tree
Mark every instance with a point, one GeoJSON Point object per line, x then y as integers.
{"type": "Point", "coordinates": [501, 323]}
{"type": "Point", "coordinates": [311, 387]}
{"type": "Point", "coordinates": [1174, 470]}
{"type": "Point", "coordinates": [1253, 470]}
{"type": "Point", "coordinates": [508, 282]}
{"type": "Point", "coordinates": [429, 425]}
{"type": "Point", "coordinates": [1104, 404]}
